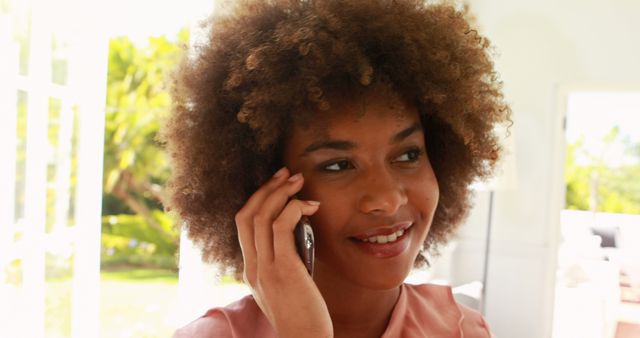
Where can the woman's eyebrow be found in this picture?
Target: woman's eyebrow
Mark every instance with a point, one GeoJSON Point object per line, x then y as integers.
{"type": "Point", "coordinates": [347, 145]}
{"type": "Point", "coordinates": [406, 133]}
{"type": "Point", "coordinates": [328, 144]}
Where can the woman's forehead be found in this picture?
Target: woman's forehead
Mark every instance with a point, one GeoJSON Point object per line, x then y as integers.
{"type": "Point", "coordinates": [396, 113]}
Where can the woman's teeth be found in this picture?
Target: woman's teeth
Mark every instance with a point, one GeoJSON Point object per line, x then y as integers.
{"type": "Point", "coordinates": [385, 239]}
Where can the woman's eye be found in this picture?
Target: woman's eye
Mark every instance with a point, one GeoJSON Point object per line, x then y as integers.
{"type": "Point", "coordinates": [409, 156]}
{"type": "Point", "coordinates": [337, 166]}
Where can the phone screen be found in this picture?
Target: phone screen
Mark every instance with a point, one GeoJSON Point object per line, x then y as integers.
{"type": "Point", "coordinates": [305, 244]}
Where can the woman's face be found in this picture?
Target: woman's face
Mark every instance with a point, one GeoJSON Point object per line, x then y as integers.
{"type": "Point", "coordinates": [377, 190]}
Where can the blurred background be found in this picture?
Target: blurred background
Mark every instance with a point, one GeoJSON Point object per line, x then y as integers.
{"type": "Point", "coordinates": [550, 249]}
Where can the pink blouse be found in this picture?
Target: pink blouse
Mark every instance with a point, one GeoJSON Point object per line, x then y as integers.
{"type": "Point", "coordinates": [425, 310]}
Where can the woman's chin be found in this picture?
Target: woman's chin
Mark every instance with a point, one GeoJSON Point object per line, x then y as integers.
{"type": "Point", "coordinates": [382, 280]}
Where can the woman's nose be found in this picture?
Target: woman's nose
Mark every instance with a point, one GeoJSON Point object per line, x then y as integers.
{"type": "Point", "coordinates": [381, 193]}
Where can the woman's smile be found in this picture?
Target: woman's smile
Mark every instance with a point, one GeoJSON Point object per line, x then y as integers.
{"type": "Point", "coordinates": [385, 246]}
{"type": "Point", "coordinates": [373, 234]}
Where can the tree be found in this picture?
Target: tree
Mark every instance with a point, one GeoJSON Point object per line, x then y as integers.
{"type": "Point", "coordinates": [135, 165]}
{"type": "Point", "coordinates": [594, 184]}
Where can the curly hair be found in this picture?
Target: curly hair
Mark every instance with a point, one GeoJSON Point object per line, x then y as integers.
{"type": "Point", "coordinates": [267, 66]}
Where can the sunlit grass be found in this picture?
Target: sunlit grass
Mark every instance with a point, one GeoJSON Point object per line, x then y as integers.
{"type": "Point", "coordinates": [141, 275]}
{"type": "Point", "coordinates": [133, 303]}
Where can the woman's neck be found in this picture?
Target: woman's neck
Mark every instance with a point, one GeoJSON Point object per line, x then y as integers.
{"type": "Point", "coordinates": [356, 311]}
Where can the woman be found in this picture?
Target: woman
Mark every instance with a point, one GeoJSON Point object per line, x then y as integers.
{"type": "Point", "coordinates": [375, 116]}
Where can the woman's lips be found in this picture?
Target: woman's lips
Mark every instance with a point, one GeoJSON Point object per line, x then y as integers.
{"type": "Point", "coordinates": [381, 247]}
{"type": "Point", "coordinates": [383, 231]}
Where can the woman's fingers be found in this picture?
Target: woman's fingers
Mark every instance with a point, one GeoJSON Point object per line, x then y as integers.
{"type": "Point", "coordinates": [245, 220]}
{"type": "Point", "coordinates": [269, 211]}
{"type": "Point", "coordinates": [284, 225]}
{"type": "Point", "coordinates": [255, 201]}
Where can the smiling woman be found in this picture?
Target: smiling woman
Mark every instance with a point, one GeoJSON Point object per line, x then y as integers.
{"type": "Point", "coordinates": [375, 117]}
{"type": "Point", "coordinates": [374, 180]}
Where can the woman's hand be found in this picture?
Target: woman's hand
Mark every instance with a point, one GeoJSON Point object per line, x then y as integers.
{"type": "Point", "coordinates": [273, 269]}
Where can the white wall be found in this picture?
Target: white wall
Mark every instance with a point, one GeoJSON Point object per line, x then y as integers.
{"type": "Point", "coordinates": [545, 49]}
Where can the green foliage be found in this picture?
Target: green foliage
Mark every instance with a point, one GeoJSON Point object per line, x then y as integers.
{"type": "Point", "coordinates": [129, 240]}
{"type": "Point", "coordinates": [597, 186]}
{"type": "Point", "coordinates": [135, 228]}
{"type": "Point", "coordinates": [577, 180]}
{"type": "Point", "coordinates": [137, 100]}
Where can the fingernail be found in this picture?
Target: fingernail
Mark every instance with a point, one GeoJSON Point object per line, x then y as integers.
{"type": "Point", "coordinates": [295, 177]}
{"type": "Point", "coordinates": [313, 203]}
{"type": "Point", "coordinates": [280, 172]}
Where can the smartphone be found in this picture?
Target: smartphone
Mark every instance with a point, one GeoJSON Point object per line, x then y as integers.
{"type": "Point", "coordinates": [305, 244]}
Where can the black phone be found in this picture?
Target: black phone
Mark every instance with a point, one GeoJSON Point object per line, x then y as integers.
{"type": "Point", "coordinates": [305, 244]}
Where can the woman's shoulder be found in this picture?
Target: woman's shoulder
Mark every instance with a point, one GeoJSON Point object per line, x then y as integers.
{"type": "Point", "coordinates": [474, 324]}
{"type": "Point", "coordinates": [229, 321]}
{"type": "Point", "coordinates": [209, 326]}
{"type": "Point", "coordinates": [431, 310]}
